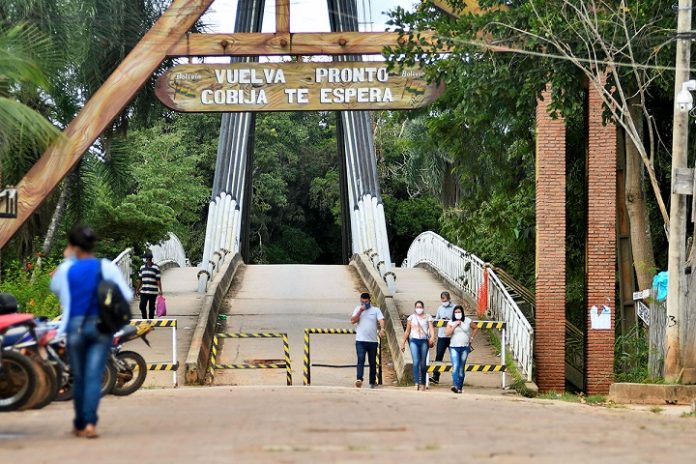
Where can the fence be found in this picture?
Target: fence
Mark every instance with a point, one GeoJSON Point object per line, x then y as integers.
{"type": "Point", "coordinates": [265, 365]}
{"type": "Point", "coordinates": [307, 371]}
{"type": "Point", "coordinates": [163, 366]}
{"type": "Point", "coordinates": [466, 271]}
{"type": "Point", "coordinates": [487, 325]}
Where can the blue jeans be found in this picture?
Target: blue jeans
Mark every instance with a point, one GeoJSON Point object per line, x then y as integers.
{"type": "Point", "coordinates": [458, 355]}
{"type": "Point", "coordinates": [419, 352]}
{"type": "Point", "coordinates": [369, 348]}
{"type": "Point", "coordinates": [87, 352]}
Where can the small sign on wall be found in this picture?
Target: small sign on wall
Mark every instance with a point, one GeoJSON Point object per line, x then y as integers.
{"type": "Point", "coordinates": [600, 319]}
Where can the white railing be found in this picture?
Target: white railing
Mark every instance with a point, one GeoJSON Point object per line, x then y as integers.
{"type": "Point", "coordinates": [210, 269]}
{"type": "Point", "coordinates": [169, 251]}
{"type": "Point", "coordinates": [466, 270]}
{"type": "Point", "coordinates": [124, 262]}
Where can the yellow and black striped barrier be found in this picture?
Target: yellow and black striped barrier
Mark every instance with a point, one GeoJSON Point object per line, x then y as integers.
{"type": "Point", "coordinates": [162, 366]}
{"type": "Point", "coordinates": [286, 352]}
{"type": "Point", "coordinates": [497, 325]}
{"type": "Point", "coordinates": [441, 368]}
{"type": "Point", "coordinates": [307, 366]}
{"type": "Point", "coordinates": [154, 322]}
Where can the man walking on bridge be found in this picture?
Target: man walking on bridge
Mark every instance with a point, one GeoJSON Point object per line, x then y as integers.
{"type": "Point", "coordinates": [367, 317]}
{"type": "Point", "coordinates": [149, 286]}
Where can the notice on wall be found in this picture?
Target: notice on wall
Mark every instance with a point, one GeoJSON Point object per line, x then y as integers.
{"type": "Point", "coordinates": [600, 319]}
{"type": "Point", "coordinates": [317, 86]}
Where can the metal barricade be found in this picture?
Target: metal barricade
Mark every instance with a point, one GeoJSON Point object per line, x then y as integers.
{"type": "Point", "coordinates": [490, 325]}
{"type": "Point", "coordinates": [307, 371]}
{"type": "Point", "coordinates": [269, 365]}
{"type": "Point", "coordinates": [163, 366]}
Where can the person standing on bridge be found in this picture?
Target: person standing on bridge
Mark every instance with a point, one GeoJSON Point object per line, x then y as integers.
{"type": "Point", "coordinates": [444, 312]}
{"type": "Point", "coordinates": [149, 286]}
{"type": "Point", "coordinates": [367, 317]}
{"type": "Point", "coordinates": [462, 331]}
{"type": "Point", "coordinates": [420, 334]}
{"type": "Point", "coordinates": [75, 282]}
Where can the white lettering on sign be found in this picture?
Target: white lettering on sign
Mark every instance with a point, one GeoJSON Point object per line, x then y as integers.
{"type": "Point", "coordinates": [346, 75]}
{"type": "Point", "coordinates": [234, 97]}
{"type": "Point", "coordinates": [359, 95]}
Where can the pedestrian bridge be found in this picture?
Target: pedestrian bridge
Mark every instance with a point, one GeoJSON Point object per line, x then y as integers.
{"type": "Point", "coordinates": [291, 298]}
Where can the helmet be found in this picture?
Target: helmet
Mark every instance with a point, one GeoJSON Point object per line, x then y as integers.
{"type": "Point", "coordinates": [8, 303]}
{"type": "Point", "coordinates": [147, 254]}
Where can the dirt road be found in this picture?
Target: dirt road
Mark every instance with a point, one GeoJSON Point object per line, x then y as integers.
{"type": "Point", "coordinates": [342, 425]}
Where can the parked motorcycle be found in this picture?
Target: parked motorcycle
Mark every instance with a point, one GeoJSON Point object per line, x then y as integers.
{"type": "Point", "coordinates": [131, 368]}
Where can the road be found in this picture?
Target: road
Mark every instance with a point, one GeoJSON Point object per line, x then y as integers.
{"type": "Point", "coordinates": [345, 425]}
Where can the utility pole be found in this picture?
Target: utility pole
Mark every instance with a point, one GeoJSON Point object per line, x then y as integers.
{"type": "Point", "coordinates": [676, 291]}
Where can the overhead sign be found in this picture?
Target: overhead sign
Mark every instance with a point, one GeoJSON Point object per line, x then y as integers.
{"type": "Point", "coordinates": [294, 87]}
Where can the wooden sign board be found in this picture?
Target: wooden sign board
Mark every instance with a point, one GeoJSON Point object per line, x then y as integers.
{"type": "Point", "coordinates": [318, 86]}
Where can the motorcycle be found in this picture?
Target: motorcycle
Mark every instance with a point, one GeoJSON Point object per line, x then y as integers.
{"type": "Point", "coordinates": [131, 368]}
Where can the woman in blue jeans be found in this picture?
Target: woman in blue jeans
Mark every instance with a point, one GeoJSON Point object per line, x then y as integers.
{"type": "Point", "coordinates": [75, 282]}
{"type": "Point", "coordinates": [461, 331]}
{"type": "Point", "coordinates": [421, 336]}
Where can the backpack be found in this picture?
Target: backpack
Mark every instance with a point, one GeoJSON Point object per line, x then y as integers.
{"type": "Point", "coordinates": [114, 309]}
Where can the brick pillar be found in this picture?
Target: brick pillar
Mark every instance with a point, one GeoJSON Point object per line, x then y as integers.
{"type": "Point", "coordinates": [549, 340]}
{"type": "Point", "coordinates": [601, 244]}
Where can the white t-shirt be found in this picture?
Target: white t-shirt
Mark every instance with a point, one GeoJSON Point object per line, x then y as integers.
{"type": "Point", "coordinates": [366, 330]}
{"type": "Point", "coordinates": [420, 326]}
{"type": "Point", "coordinates": [462, 333]}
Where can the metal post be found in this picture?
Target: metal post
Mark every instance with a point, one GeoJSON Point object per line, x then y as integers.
{"type": "Point", "coordinates": [676, 294]}
{"type": "Point", "coordinates": [288, 369]}
{"type": "Point", "coordinates": [213, 357]}
{"type": "Point", "coordinates": [379, 361]}
{"type": "Point", "coordinates": [174, 376]}
{"type": "Point", "coordinates": [307, 379]}
{"type": "Point", "coordinates": [503, 347]}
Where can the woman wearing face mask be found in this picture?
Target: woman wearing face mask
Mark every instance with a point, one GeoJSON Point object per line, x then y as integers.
{"type": "Point", "coordinates": [421, 336]}
{"type": "Point", "coordinates": [461, 331]}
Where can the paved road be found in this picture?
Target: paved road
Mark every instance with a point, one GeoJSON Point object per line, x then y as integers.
{"type": "Point", "coordinates": [290, 298]}
{"type": "Point", "coordinates": [419, 284]}
{"type": "Point", "coordinates": [345, 425]}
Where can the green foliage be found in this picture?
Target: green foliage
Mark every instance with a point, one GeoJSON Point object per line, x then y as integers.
{"type": "Point", "coordinates": [30, 283]}
{"type": "Point", "coordinates": [631, 353]}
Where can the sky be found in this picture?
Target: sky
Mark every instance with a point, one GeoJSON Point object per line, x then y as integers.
{"type": "Point", "coordinates": [305, 15]}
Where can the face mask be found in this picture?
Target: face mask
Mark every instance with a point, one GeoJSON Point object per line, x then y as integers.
{"type": "Point", "coordinates": [419, 310]}
{"type": "Point", "coordinates": [457, 315]}
{"type": "Point", "coordinates": [367, 305]}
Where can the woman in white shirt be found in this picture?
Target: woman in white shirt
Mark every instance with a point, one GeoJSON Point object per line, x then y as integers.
{"type": "Point", "coordinates": [420, 334]}
{"type": "Point", "coordinates": [461, 331]}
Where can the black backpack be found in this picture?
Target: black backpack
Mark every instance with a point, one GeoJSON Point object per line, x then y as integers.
{"type": "Point", "coordinates": [114, 309]}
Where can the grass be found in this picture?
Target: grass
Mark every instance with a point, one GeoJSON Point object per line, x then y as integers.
{"type": "Point", "coordinates": [593, 400]}
{"type": "Point", "coordinates": [519, 383]}
{"type": "Point", "coordinates": [656, 410]}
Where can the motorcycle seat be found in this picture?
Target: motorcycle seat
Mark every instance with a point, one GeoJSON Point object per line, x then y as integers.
{"type": "Point", "coordinates": [9, 320]}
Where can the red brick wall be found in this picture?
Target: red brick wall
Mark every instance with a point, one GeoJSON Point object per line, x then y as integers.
{"type": "Point", "coordinates": [601, 244]}
{"type": "Point", "coordinates": [549, 340]}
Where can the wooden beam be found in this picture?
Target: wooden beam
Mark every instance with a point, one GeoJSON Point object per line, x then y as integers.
{"type": "Point", "coordinates": [282, 16]}
{"type": "Point", "coordinates": [102, 109]}
{"type": "Point", "coordinates": [320, 43]}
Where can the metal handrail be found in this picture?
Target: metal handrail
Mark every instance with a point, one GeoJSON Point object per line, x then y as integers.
{"type": "Point", "coordinates": [169, 251]}
{"type": "Point", "coordinates": [124, 262]}
{"type": "Point", "coordinates": [466, 270]}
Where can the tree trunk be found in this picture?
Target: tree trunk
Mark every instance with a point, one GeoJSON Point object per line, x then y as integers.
{"type": "Point", "coordinates": [58, 215]}
{"type": "Point", "coordinates": [450, 186]}
{"type": "Point", "coordinates": [641, 239]}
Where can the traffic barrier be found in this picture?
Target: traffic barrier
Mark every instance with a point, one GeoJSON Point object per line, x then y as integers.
{"type": "Point", "coordinates": [307, 368]}
{"type": "Point", "coordinates": [267, 365]}
{"type": "Point", "coordinates": [488, 325]}
{"type": "Point", "coordinates": [162, 366]}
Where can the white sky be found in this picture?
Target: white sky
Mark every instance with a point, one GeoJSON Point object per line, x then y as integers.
{"type": "Point", "coordinates": [305, 15]}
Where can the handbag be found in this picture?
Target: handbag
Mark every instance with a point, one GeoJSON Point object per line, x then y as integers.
{"type": "Point", "coordinates": [161, 306]}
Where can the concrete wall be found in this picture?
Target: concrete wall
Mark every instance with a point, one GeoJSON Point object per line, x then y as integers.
{"type": "Point", "coordinates": [403, 364]}
{"type": "Point", "coordinates": [199, 353]}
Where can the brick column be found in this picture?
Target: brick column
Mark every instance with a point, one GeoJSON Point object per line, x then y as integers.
{"type": "Point", "coordinates": [549, 341]}
{"type": "Point", "coordinates": [601, 244]}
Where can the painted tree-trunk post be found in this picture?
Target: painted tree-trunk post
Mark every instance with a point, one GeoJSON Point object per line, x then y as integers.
{"type": "Point", "coordinates": [601, 246]}
{"type": "Point", "coordinates": [101, 109]}
{"type": "Point", "coordinates": [641, 239]}
{"type": "Point", "coordinates": [549, 342]}
{"type": "Point", "coordinates": [624, 256]}
{"type": "Point", "coordinates": [656, 338]}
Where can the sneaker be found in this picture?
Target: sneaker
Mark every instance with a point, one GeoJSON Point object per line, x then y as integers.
{"type": "Point", "coordinates": [434, 381]}
{"type": "Point", "coordinates": [358, 383]}
{"type": "Point", "coordinates": [454, 390]}
{"type": "Point", "coordinates": [459, 391]}
{"type": "Point", "coordinates": [418, 387]}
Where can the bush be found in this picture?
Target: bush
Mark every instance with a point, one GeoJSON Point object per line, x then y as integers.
{"type": "Point", "coordinates": [30, 284]}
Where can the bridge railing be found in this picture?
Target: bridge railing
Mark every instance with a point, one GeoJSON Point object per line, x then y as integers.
{"type": "Point", "coordinates": [124, 262]}
{"type": "Point", "coordinates": [168, 252]}
{"type": "Point", "coordinates": [466, 271]}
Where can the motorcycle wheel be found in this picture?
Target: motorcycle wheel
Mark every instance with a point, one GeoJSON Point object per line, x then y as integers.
{"type": "Point", "coordinates": [131, 371]}
{"type": "Point", "coordinates": [51, 385]}
{"type": "Point", "coordinates": [65, 392]}
{"type": "Point", "coordinates": [17, 380]}
{"type": "Point", "coordinates": [41, 390]}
